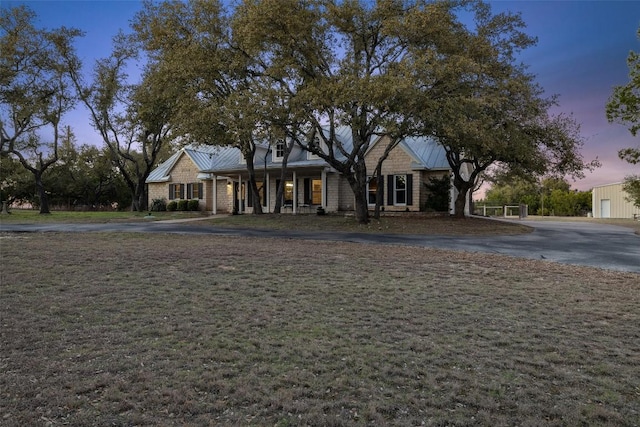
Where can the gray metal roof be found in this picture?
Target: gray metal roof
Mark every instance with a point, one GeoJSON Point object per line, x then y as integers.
{"type": "Point", "coordinates": [426, 152]}
{"type": "Point", "coordinates": [161, 173]}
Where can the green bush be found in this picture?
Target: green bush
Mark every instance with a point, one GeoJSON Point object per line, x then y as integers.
{"type": "Point", "coordinates": [172, 206]}
{"type": "Point", "coordinates": [193, 205]}
{"type": "Point", "coordinates": [158, 205]}
{"type": "Point", "coordinates": [439, 192]}
{"type": "Point", "coordinates": [183, 205]}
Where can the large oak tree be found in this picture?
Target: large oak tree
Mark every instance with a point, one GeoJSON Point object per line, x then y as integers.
{"type": "Point", "coordinates": [487, 111]}
{"type": "Point", "coordinates": [133, 119]}
{"type": "Point", "coordinates": [35, 91]}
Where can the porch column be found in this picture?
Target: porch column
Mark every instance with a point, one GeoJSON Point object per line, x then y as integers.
{"type": "Point", "coordinates": [267, 189]}
{"type": "Point", "coordinates": [215, 195]}
{"type": "Point", "coordinates": [323, 179]}
{"type": "Point", "coordinates": [239, 195]}
{"type": "Point", "coordinates": [295, 193]}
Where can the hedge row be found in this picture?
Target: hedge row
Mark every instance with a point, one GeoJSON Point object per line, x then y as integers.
{"type": "Point", "coordinates": [174, 205]}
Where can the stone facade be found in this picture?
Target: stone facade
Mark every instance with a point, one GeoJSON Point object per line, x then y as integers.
{"type": "Point", "coordinates": [316, 185]}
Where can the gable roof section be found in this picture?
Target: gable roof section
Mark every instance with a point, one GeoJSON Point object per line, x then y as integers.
{"type": "Point", "coordinates": [162, 172]}
{"type": "Point", "coordinates": [429, 154]}
{"type": "Point", "coordinates": [205, 157]}
{"type": "Point", "coordinates": [426, 152]}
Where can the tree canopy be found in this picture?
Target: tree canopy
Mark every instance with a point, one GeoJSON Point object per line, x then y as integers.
{"type": "Point", "coordinates": [35, 91]}
{"type": "Point", "coordinates": [391, 67]}
{"type": "Point", "coordinates": [266, 70]}
{"type": "Point", "coordinates": [133, 119]}
{"type": "Point", "coordinates": [624, 107]}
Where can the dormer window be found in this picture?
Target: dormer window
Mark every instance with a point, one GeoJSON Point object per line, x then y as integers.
{"type": "Point", "coordinates": [278, 152]}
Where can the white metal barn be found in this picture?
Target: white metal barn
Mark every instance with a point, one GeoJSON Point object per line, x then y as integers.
{"type": "Point", "coordinates": [609, 201]}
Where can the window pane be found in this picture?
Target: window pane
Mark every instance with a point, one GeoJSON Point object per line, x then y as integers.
{"type": "Point", "coordinates": [175, 191]}
{"type": "Point", "coordinates": [288, 192]}
{"type": "Point", "coordinates": [316, 191]}
{"type": "Point", "coordinates": [400, 189]}
{"type": "Point", "coordinates": [372, 190]}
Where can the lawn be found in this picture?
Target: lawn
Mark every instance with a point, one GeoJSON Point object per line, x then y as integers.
{"type": "Point", "coordinates": [412, 223]}
{"type": "Point", "coordinates": [28, 216]}
{"type": "Point", "coordinates": [133, 329]}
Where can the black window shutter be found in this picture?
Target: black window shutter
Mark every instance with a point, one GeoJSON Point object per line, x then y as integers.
{"type": "Point", "coordinates": [189, 191]}
{"type": "Point", "coordinates": [381, 184]}
{"type": "Point", "coordinates": [182, 191]}
{"type": "Point", "coordinates": [409, 189]}
{"type": "Point", "coordinates": [171, 191]}
{"type": "Point", "coordinates": [390, 190]}
{"type": "Point", "coordinates": [264, 193]}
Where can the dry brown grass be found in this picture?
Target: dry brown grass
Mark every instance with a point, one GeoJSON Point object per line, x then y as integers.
{"type": "Point", "coordinates": [412, 223]}
{"type": "Point", "coordinates": [126, 329]}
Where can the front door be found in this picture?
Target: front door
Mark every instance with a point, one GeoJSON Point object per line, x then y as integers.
{"type": "Point", "coordinates": [605, 208]}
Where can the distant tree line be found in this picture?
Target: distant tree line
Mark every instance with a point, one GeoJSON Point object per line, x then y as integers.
{"type": "Point", "coordinates": [550, 196]}
{"type": "Point", "coordinates": [83, 178]}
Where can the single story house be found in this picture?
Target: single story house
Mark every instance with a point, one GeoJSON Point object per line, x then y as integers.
{"type": "Point", "coordinates": [217, 177]}
{"type": "Point", "coordinates": [609, 201]}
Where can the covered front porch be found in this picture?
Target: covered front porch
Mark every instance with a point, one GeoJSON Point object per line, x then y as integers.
{"type": "Point", "coordinates": [305, 190]}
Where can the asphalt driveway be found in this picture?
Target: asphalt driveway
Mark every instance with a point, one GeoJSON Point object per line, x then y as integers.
{"type": "Point", "coordinates": [580, 243]}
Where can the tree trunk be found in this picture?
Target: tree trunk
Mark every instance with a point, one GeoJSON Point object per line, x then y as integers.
{"type": "Point", "coordinates": [361, 208]}
{"type": "Point", "coordinates": [379, 192]}
{"type": "Point", "coordinates": [283, 172]}
{"type": "Point", "coordinates": [463, 188]}
{"type": "Point", "coordinates": [358, 183]}
{"type": "Point", "coordinates": [460, 203]}
{"type": "Point", "coordinates": [255, 195]}
{"type": "Point", "coordinates": [44, 199]}
{"type": "Point", "coordinates": [279, 192]}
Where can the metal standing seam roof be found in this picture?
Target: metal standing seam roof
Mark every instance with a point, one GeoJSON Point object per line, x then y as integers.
{"type": "Point", "coordinates": [427, 152]}
{"type": "Point", "coordinates": [161, 173]}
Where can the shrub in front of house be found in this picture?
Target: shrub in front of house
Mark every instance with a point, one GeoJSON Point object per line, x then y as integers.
{"type": "Point", "coordinates": [183, 205]}
{"type": "Point", "coordinates": [193, 205]}
{"type": "Point", "coordinates": [172, 206]}
{"type": "Point", "coordinates": [158, 205]}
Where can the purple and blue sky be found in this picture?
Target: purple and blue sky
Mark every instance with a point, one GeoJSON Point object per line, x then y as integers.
{"type": "Point", "coordinates": [580, 56]}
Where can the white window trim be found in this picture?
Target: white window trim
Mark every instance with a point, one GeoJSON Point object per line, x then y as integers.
{"type": "Point", "coordinates": [274, 153]}
{"type": "Point", "coordinates": [395, 190]}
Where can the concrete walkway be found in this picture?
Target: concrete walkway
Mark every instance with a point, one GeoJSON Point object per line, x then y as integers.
{"type": "Point", "coordinates": [578, 243]}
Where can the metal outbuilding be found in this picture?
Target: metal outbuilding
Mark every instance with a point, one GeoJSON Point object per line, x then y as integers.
{"type": "Point", "coordinates": [609, 201]}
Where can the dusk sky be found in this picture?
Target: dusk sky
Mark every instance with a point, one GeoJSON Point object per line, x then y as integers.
{"type": "Point", "coordinates": [580, 55]}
